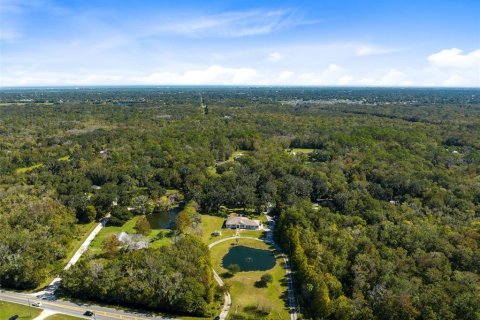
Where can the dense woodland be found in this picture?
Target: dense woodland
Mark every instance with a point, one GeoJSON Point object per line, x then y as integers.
{"type": "Point", "coordinates": [177, 278]}
{"type": "Point", "coordinates": [381, 218]}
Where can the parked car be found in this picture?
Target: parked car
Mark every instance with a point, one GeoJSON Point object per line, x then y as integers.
{"type": "Point", "coordinates": [36, 304]}
{"type": "Point", "coordinates": [88, 313]}
{"type": "Point", "coordinates": [14, 317]}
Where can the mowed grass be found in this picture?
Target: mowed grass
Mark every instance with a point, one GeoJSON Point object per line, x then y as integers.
{"type": "Point", "coordinates": [246, 297]}
{"type": "Point", "coordinates": [8, 309]}
{"type": "Point", "coordinates": [128, 227]}
{"type": "Point", "coordinates": [28, 169]}
{"type": "Point", "coordinates": [61, 317]}
{"type": "Point", "coordinates": [302, 150]}
{"type": "Point", "coordinates": [64, 158]}
{"type": "Point", "coordinates": [213, 223]}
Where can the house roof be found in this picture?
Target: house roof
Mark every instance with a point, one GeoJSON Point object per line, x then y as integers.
{"type": "Point", "coordinates": [242, 221]}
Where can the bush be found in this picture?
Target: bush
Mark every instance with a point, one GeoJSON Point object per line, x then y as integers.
{"type": "Point", "coordinates": [234, 268]}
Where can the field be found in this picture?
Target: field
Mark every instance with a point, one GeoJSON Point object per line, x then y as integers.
{"type": "Point", "coordinates": [8, 309]}
{"type": "Point", "coordinates": [213, 223]}
{"type": "Point", "coordinates": [128, 227]}
{"type": "Point", "coordinates": [28, 169]}
{"type": "Point", "coordinates": [247, 299]}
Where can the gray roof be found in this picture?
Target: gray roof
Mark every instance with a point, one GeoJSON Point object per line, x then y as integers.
{"type": "Point", "coordinates": [242, 221]}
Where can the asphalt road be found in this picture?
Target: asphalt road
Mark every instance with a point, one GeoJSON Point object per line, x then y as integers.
{"type": "Point", "coordinates": [292, 305]}
{"type": "Point", "coordinates": [78, 309]}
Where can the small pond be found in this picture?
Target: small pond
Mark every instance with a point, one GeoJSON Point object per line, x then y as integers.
{"type": "Point", "coordinates": [163, 220]}
{"type": "Point", "coordinates": [249, 259]}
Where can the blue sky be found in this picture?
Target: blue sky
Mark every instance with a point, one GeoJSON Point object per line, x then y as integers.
{"type": "Point", "coordinates": [322, 42]}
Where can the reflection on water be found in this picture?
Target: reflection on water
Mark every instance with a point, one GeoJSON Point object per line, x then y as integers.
{"type": "Point", "coordinates": [249, 259]}
{"type": "Point", "coordinates": [163, 220]}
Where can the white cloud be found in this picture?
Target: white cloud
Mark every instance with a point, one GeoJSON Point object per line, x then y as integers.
{"type": "Point", "coordinates": [212, 75]}
{"type": "Point", "coordinates": [454, 58]}
{"type": "Point", "coordinates": [369, 50]}
{"type": "Point", "coordinates": [333, 75]}
{"type": "Point", "coordinates": [392, 77]}
{"type": "Point", "coordinates": [284, 76]}
{"type": "Point", "coordinates": [230, 24]}
{"type": "Point", "coordinates": [275, 57]}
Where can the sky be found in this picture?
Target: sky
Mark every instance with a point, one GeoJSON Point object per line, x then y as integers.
{"type": "Point", "coordinates": [243, 42]}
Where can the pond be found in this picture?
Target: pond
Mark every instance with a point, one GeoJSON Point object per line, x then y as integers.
{"type": "Point", "coordinates": [163, 220]}
{"type": "Point", "coordinates": [249, 259]}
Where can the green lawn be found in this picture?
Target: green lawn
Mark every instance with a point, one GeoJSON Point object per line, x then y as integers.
{"type": "Point", "coordinates": [246, 297]}
{"type": "Point", "coordinates": [8, 309]}
{"type": "Point", "coordinates": [28, 169]}
{"type": "Point", "coordinates": [64, 158]}
{"type": "Point", "coordinates": [302, 150]}
{"type": "Point", "coordinates": [213, 223]}
{"type": "Point", "coordinates": [61, 317]}
{"type": "Point", "coordinates": [128, 227]}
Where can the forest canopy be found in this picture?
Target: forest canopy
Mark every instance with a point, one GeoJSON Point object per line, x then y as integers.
{"type": "Point", "coordinates": [376, 192]}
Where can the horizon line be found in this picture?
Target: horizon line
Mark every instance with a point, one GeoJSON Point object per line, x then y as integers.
{"type": "Point", "coordinates": [75, 86]}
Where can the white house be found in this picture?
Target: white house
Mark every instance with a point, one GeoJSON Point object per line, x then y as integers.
{"type": "Point", "coordinates": [242, 223]}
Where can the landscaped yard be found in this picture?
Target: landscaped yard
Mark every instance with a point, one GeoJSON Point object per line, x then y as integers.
{"type": "Point", "coordinates": [128, 227]}
{"type": "Point", "coordinates": [213, 223]}
{"type": "Point", "coordinates": [247, 298]}
{"type": "Point", "coordinates": [8, 309]}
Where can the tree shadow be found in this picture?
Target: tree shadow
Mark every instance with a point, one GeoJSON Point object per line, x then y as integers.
{"type": "Point", "coordinates": [227, 275]}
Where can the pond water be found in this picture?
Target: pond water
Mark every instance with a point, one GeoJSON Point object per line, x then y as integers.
{"type": "Point", "coordinates": [249, 259]}
{"type": "Point", "coordinates": [163, 220]}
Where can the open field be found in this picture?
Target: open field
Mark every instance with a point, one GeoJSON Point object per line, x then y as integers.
{"type": "Point", "coordinates": [128, 227]}
{"type": "Point", "coordinates": [8, 309]}
{"type": "Point", "coordinates": [301, 150]}
{"type": "Point", "coordinates": [64, 158]}
{"type": "Point", "coordinates": [247, 299]}
{"type": "Point", "coordinates": [213, 223]}
{"type": "Point", "coordinates": [28, 169]}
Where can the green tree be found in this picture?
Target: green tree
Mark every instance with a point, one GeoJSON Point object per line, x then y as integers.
{"type": "Point", "coordinates": [142, 226]}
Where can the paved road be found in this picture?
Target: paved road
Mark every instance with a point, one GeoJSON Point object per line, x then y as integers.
{"type": "Point", "coordinates": [292, 305]}
{"type": "Point", "coordinates": [49, 291]}
{"type": "Point", "coordinates": [77, 309]}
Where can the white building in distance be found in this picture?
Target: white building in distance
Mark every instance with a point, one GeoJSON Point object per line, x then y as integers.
{"type": "Point", "coordinates": [242, 223]}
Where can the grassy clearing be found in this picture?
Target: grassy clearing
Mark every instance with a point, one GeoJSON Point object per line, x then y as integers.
{"type": "Point", "coordinates": [213, 223]}
{"type": "Point", "coordinates": [28, 169]}
{"type": "Point", "coordinates": [238, 153]}
{"type": "Point", "coordinates": [8, 309]}
{"type": "Point", "coordinates": [247, 299]}
{"type": "Point", "coordinates": [128, 227]}
{"type": "Point", "coordinates": [61, 317]}
{"type": "Point", "coordinates": [301, 150]}
{"type": "Point", "coordinates": [64, 158]}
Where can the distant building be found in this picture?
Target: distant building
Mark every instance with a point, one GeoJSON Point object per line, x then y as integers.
{"type": "Point", "coordinates": [242, 223]}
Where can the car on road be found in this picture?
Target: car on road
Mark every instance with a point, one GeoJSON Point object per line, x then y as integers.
{"type": "Point", "coordinates": [36, 304]}
{"type": "Point", "coordinates": [88, 313]}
